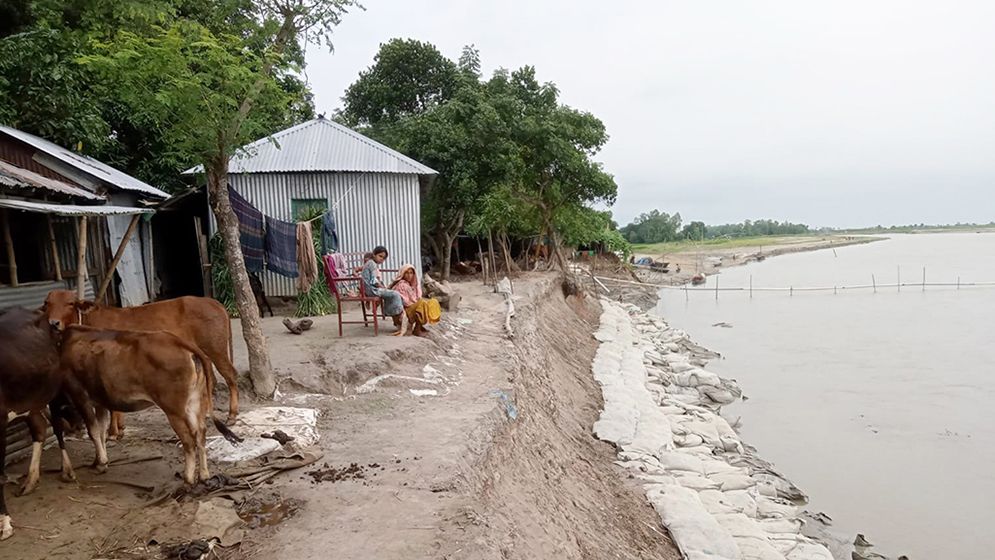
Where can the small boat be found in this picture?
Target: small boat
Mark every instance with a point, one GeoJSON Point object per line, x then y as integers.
{"type": "Point", "coordinates": [698, 279]}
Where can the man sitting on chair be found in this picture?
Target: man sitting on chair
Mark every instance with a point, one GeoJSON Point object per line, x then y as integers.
{"type": "Point", "coordinates": [392, 304]}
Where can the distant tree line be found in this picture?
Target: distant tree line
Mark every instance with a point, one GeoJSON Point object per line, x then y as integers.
{"type": "Point", "coordinates": [658, 227]}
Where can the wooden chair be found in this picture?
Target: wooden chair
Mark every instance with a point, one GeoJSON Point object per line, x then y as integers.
{"type": "Point", "coordinates": [337, 287]}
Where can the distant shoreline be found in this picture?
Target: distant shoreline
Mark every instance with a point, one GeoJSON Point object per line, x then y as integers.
{"type": "Point", "coordinates": [712, 260]}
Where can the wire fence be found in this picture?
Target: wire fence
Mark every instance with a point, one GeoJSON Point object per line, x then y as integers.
{"type": "Point", "coordinates": [790, 290]}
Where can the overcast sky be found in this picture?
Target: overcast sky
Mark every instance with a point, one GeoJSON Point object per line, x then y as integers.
{"type": "Point", "coordinates": [842, 113]}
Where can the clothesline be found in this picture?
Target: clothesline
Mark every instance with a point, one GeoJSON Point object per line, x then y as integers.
{"type": "Point", "coordinates": [335, 206]}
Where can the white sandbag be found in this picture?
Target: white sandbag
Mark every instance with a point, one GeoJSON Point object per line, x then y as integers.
{"type": "Point", "coordinates": [742, 501]}
{"type": "Point", "coordinates": [299, 423]}
{"type": "Point", "coordinates": [688, 440]}
{"type": "Point", "coordinates": [695, 481]}
{"type": "Point", "coordinates": [809, 551]}
{"type": "Point", "coordinates": [733, 481]}
{"type": "Point", "coordinates": [681, 462]}
{"type": "Point", "coordinates": [781, 525]}
{"type": "Point", "coordinates": [221, 450]}
{"type": "Point", "coordinates": [716, 466]}
{"type": "Point", "coordinates": [750, 538]}
{"type": "Point", "coordinates": [695, 531]}
{"type": "Point", "coordinates": [768, 507]}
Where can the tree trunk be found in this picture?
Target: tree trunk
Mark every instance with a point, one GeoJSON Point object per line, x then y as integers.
{"type": "Point", "coordinates": [260, 369]}
{"type": "Point", "coordinates": [446, 261]}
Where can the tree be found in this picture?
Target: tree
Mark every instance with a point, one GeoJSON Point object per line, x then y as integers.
{"type": "Point", "coordinates": [207, 91]}
{"type": "Point", "coordinates": [555, 145]}
{"type": "Point", "coordinates": [408, 78]}
{"type": "Point", "coordinates": [694, 230]}
{"type": "Point", "coordinates": [435, 111]}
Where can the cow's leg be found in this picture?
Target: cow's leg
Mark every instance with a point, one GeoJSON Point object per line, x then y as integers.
{"type": "Point", "coordinates": [116, 431]}
{"type": "Point", "coordinates": [98, 434]}
{"type": "Point", "coordinates": [219, 357]}
{"type": "Point", "coordinates": [205, 473]}
{"type": "Point", "coordinates": [188, 439]}
{"type": "Point", "coordinates": [68, 474]}
{"type": "Point", "coordinates": [5, 529]}
{"type": "Point", "coordinates": [36, 424]}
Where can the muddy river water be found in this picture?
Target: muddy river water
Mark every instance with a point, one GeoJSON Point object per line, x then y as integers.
{"type": "Point", "coordinates": [881, 406]}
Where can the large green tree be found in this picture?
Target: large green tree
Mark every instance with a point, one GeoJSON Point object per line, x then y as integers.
{"type": "Point", "coordinates": [209, 94]}
{"type": "Point", "coordinates": [44, 89]}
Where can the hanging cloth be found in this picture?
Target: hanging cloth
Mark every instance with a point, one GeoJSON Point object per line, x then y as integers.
{"type": "Point", "coordinates": [307, 263]}
{"type": "Point", "coordinates": [329, 234]}
{"type": "Point", "coordinates": [281, 247]}
{"type": "Point", "coordinates": [250, 227]}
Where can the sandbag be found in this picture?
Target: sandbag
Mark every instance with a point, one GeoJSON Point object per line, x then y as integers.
{"type": "Point", "coordinates": [695, 531]}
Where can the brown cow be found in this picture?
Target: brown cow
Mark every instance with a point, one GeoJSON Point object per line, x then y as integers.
{"type": "Point", "coordinates": [29, 380]}
{"type": "Point", "coordinates": [130, 371]}
{"type": "Point", "coordinates": [201, 322]}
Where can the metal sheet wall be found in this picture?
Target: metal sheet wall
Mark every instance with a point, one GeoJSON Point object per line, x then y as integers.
{"type": "Point", "coordinates": [373, 209]}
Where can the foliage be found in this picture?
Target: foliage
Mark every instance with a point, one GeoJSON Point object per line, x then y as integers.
{"type": "Point", "coordinates": [51, 86]}
{"type": "Point", "coordinates": [408, 78]}
{"type": "Point", "coordinates": [653, 227]}
{"type": "Point", "coordinates": [659, 227]}
{"type": "Point", "coordinates": [582, 226]}
{"type": "Point", "coordinates": [224, 289]}
{"type": "Point", "coordinates": [317, 300]}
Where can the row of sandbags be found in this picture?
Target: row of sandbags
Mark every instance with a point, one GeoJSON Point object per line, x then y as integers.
{"type": "Point", "coordinates": [718, 500]}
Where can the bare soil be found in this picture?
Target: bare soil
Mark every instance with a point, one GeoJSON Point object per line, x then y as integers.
{"type": "Point", "coordinates": [464, 445]}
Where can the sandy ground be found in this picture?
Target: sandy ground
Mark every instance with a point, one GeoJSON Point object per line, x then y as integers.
{"type": "Point", "coordinates": [499, 463]}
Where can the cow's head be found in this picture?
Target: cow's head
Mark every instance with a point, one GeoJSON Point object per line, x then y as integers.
{"type": "Point", "coordinates": [63, 309]}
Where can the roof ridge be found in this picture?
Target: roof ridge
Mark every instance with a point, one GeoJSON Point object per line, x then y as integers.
{"type": "Point", "coordinates": [374, 144]}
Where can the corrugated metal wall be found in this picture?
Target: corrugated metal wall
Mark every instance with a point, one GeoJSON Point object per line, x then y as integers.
{"type": "Point", "coordinates": [373, 209]}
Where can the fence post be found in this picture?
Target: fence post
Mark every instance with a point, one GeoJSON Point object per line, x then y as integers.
{"type": "Point", "coordinates": [958, 282]}
{"type": "Point", "coordinates": [791, 291]}
{"type": "Point", "coordinates": [874, 283]}
{"type": "Point", "coordinates": [899, 278]}
{"type": "Point", "coordinates": [924, 278]}
{"type": "Point", "coordinates": [716, 287]}
{"type": "Point", "coordinates": [751, 286]}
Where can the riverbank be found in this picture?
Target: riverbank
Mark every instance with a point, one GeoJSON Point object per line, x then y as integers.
{"type": "Point", "coordinates": [468, 445]}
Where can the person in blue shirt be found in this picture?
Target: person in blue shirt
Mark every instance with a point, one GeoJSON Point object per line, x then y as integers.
{"type": "Point", "coordinates": [392, 304]}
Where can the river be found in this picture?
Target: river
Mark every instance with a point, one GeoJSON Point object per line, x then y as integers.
{"type": "Point", "coordinates": [878, 405]}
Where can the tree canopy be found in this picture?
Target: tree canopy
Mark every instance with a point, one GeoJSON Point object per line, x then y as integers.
{"type": "Point", "coordinates": [658, 227]}
{"type": "Point", "coordinates": [512, 159]}
{"type": "Point", "coordinates": [56, 79]}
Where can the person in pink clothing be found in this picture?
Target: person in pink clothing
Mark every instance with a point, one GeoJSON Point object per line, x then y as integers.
{"type": "Point", "coordinates": [417, 310]}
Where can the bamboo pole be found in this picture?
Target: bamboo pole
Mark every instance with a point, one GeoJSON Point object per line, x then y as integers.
{"type": "Point", "coordinates": [751, 286]}
{"type": "Point", "coordinates": [56, 259]}
{"type": "Point", "coordinates": [81, 259]}
{"type": "Point", "coordinates": [899, 284]}
{"type": "Point", "coordinates": [9, 242]}
{"type": "Point", "coordinates": [874, 283]}
{"type": "Point", "coordinates": [483, 263]}
{"type": "Point", "coordinates": [117, 258]}
{"type": "Point", "coordinates": [924, 278]}
{"type": "Point", "coordinates": [716, 287]}
{"type": "Point", "coordinates": [490, 249]}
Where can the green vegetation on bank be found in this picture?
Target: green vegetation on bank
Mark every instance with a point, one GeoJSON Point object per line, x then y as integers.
{"type": "Point", "coordinates": [660, 227]}
{"type": "Point", "coordinates": [918, 228]}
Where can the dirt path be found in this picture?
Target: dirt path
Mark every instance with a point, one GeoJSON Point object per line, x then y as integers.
{"type": "Point", "coordinates": [465, 446]}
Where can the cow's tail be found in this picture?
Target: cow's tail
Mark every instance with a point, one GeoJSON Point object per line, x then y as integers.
{"type": "Point", "coordinates": [205, 367]}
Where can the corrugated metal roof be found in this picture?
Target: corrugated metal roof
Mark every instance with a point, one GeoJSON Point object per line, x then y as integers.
{"type": "Point", "coordinates": [14, 176]}
{"type": "Point", "coordinates": [70, 209]}
{"type": "Point", "coordinates": [86, 164]}
{"type": "Point", "coordinates": [320, 145]}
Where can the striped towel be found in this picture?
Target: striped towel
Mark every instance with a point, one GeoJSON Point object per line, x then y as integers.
{"type": "Point", "coordinates": [250, 226]}
{"type": "Point", "coordinates": [281, 247]}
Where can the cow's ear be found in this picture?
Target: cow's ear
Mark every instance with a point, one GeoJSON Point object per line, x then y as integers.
{"type": "Point", "coordinates": [85, 306]}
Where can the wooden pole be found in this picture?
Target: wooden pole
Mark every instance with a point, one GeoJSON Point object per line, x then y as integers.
{"type": "Point", "coordinates": [899, 278]}
{"type": "Point", "coordinates": [56, 260]}
{"type": "Point", "coordinates": [924, 278]}
{"type": "Point", "coordinates": [81, 259]}
{"type": "Point", "coordinates": [751, 286]}
{"type": "Point", "coordinates": [958, 282]}
{"type": "Point", "coordinates": [117, 258]}
{"type": "Point", "coordinates": [490, 249]}
{"type": "Point", "coordinates": [483, 263]}
{"type": "Point", "coordinates": [716, 287]}
{"type": "Point", "coordinates": [9, 242]}
{"type": "Point", "coordinates": [205, 258]}
{"type": "Point", "coordinates": [874, 283]}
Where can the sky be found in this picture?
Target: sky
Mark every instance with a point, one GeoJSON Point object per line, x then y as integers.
{"type": "Point", "coordinates": [845, 113]}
